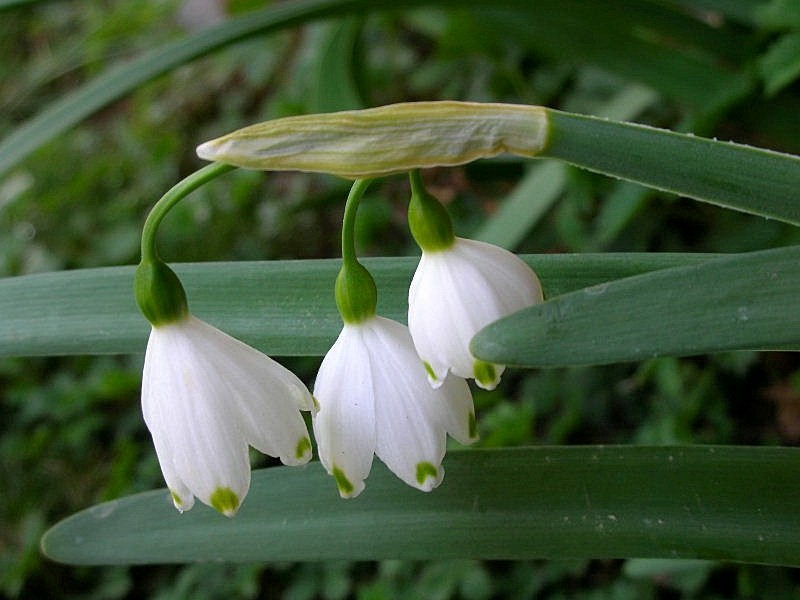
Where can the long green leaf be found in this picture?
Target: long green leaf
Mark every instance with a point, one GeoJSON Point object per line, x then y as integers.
{"type": "Point", "coordinates": [735, 176]}
{"type": "Point", "coordinates": [722, 503]}
{"type": "Point", "coordinates": [746, 301]}
{"type": "Point", "coordinates": [282, 307]}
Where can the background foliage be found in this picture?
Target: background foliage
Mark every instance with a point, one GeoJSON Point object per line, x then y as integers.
{"type": "Point", "coordinates": [71, 432]}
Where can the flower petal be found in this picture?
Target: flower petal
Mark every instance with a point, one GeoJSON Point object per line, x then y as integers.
{"type": "Point", "coordinates": [344, 420]}
{"type": "Point", "coordinates": [198, 439]}
{"type": "Point", "coordinates": [265, 395]}
{"type": "Point", "coordinates": [454, 410]}
{"type": "Point", "coordinates": [410, 439]}
{"type": "Point", "coordinates": [439, 317]}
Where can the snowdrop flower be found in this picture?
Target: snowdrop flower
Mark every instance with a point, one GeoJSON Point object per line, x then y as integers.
{"type": "Point", "coordinates": [459, 287]}
{"type": "Point", "coordinates": [206, 396]}
{"type": "Point", "coordinates": [372, 397]}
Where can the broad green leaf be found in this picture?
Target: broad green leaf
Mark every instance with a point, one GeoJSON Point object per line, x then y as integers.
{"type": "Point", "coordinates": [735, 176]}
{"type": "Point", "coordinates": [281, 307]}
{"type": "Point", "coordinates": [720, 503]}
{"type": "Point", "coordinates": [746, 301]}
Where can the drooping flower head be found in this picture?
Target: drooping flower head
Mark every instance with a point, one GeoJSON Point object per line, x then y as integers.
{"type": "Point", "coordinates": [206, 396]}
{"type": "Point", "coordinates": [372, 396]}
{"type": "Point", "coordinates": [459, 287]}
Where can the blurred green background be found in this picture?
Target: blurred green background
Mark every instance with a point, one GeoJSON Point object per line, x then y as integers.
{"type": "Point", "coordinates": [71, 432]}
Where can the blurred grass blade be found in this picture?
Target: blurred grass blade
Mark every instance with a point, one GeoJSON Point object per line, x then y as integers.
{"type": "Point", "coordinates": [535, 194]}
{"type": "Point", "coordinates": [746, 301]}
{"type": "Point", "coordinates": [8, 4]}
{"type": "Point", "coordinates": [623, 202]}
{"type": "Point", "coordinates": [780, 66]}
{"type": "Point", "coordinates": [335, 82]}
{"type": "Point", "coordinates": [523, 503]}
{"type": "Point", "coordinates": [735, 176]}
{"type": "Point", "coordinates": [112, 85]}
{"type": "Point", "coordinates": [676, 54]}
{"type": "Point", "coordinates": [742, 11]}
{"type": "Point", "coordinates": [282, 307]}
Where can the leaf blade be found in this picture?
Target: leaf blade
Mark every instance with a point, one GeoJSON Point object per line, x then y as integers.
{"type": "Point", "coordinates": [281, 307]}
{"type": "Point", "coordinates": [544, 502]}
{"type": "Point", "coordinates": [737, 302]}
{"type": "Point", "coordinates": [722, 173]}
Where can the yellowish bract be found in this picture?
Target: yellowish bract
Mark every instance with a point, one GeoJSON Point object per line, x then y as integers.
{"type": "Point", "coordinates": [384, 140]}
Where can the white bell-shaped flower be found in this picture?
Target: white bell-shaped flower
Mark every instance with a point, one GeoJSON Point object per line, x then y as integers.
{"type": "Point", "coordinates": [372, 397]}
{"type": "Point", "coordinates": [458, 290]}
{"type": "Point", "coordinates": [205, 397]}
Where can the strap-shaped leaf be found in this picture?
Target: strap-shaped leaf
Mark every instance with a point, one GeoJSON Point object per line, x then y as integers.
{"type": "Point", "coordinates": [735, 176]}
{"type": "Point", "coordinates": [281, 307]}
{"type": "Point", "coordinates": [746, 301]}
{"type": "Point", "coordinates": [722, 503]}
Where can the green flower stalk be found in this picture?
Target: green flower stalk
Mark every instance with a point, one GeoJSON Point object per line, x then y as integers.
{"type": "Point", "coordinates": [356, 293]}
{"type": "Point", "coordinates": [159, 292]}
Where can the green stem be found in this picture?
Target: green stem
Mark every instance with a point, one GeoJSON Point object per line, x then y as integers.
{"type": "Point", "coordinates": [159, 293]}
{"type": "Point", "coordinates": [356, 293]}
{"type": "Point", "coordinates": [349, 220]}
{"type": "Point", "coordinates": [417, 185]}
{"type": "Point", "coordinates": [177, 193]}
